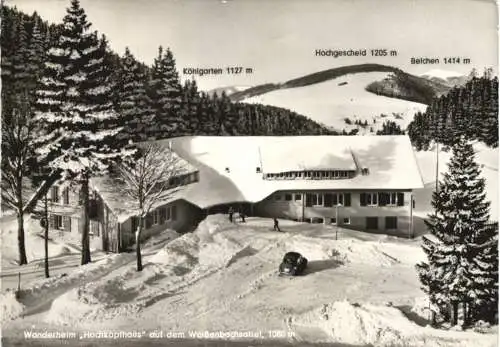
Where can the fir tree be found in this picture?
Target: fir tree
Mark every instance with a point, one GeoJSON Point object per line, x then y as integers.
{"type": "Point", "coordinates": [75, 109]}
{"type": "Point", "coordinates": [461, 265]}
{"type": "Point", "coordinates": [134, 105]}
{"type": "Point", "coordinates": [165, 93]}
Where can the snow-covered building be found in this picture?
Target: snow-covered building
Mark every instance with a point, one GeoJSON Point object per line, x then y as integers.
{"type": "Point", "coordinates": [361, 182]}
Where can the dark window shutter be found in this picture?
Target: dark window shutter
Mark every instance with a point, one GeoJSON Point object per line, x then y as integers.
{"type": "Point", "coordinates": [347, 199]}
{"type": "Point", "coordinates": [66, 223]}
{"type": "Point", "coordinates": [328, 200]}
{"type": "Point", "coordinates": [382, 199]}
{"type": "Point", "coordinates": [401, 199]}
{"type": "Point", "coordinates": [163, 215]}
{"type": "Point", "coordinates": [52, 221]}
{"type": "Point", "coordinates": [362, 199]}
{"type": "Point", "coordinates": [308, 200]}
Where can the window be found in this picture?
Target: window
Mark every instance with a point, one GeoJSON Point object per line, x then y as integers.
{"type": "Point", "coordinates": [372, 199]}
{"type": "Point", "coordinates": [392, 199]}
{"type": "Point", "coordinates": [391, 223]}
{"type": "Point", "coordinates": [317, 199]}
{"type": "Point", "coordinates": [298, 197]}
{"type": "Point", "coordinates": [277, 197]}
{"type": "Point", "coordinates": [163, 215]}
{"type": "Point", "coordinates": [347, 220]}
{"type": "Point", "coordinates": [54, 196]}
{"type": "Point", "coordinates": [58, 221]}
{"type": "Point", "coordinates": [372, 223]}
{"type": "Point", "coordinates": [156, 217]}
{"type": "Point", "coordinates": [288, 197]}
{"type": "Point", "coordinates": [257, 169]}
{"type": "Point", "coordinates": [66, 196]}
{"type": "Point", "coordinates": [333, 220]}
{"type": "Point", "coordinates": [168, 214]}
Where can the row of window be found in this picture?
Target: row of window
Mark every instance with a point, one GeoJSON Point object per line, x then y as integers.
{"type": "Point", "coordinates": [318, 199]}
{"type": "Point", "coordinates": [391, 222]}
{"type": "Point", "coordinates": [315, 175]}
{"type": "Point", "coordinates": [56, 197]}
{"type": "Point", "coordinates": [157, 217]}
{"type": "Point", "coordinates": [344, 199]}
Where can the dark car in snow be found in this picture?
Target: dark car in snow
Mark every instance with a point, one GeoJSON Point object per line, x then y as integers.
{"type": "Point", "coordinates": [293, 264]}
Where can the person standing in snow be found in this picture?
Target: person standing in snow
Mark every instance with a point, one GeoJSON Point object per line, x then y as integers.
{"type": "Point", "coordinates": [242, 216]}
{"type": "Point", "coordinates": [276, 224]}
{"type": "Point", "coordinates": [230, 212]}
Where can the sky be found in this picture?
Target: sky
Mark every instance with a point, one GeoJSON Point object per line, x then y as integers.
{"type": "Point", "coordinates": [277, 39]}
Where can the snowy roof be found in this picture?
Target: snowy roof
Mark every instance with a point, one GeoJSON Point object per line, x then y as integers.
{"type": "Point", "coordinates": [111, 189]}
{"type": "Point", "coordinates": [227, 166]}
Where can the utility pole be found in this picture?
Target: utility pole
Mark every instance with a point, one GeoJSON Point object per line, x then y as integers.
{"type": "Point", "coordinates": [46, 229]}
{"type": "Point", "coordinates": [437, 166]}
{"type": "Point", "coordinates": [337, 221]}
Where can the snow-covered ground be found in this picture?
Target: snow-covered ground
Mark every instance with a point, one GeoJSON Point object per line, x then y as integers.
{"type": "Point", "coordinates": [332, 101]}
{"type": "Point", "coordinates": [358, 290]}
{"type": "Point", "coordinates": [34, 240]}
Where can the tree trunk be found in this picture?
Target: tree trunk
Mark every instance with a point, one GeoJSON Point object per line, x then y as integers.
{"type": "Point", "coordinates": [86, 224]}
{"type": "Point", "coordinates": [138, 245]}
{"type": "Point", "coordinates": [46, 227]}
{"type": "Point", "coordinates": [20, 224]}
{"type": "Point", "coordinates": [454, 309]}
{"type": "Point", "coordinates": [20, 239]}
{"type": "Point", "coordinates": [465, 308]}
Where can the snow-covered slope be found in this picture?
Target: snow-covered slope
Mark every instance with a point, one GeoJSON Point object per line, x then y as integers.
{"type": "Point", "coordinates": [33, 239]}
{"type": "Point", "coordinates": [486, 157]}
{"type": "Point", "coordinates": [332, 101]}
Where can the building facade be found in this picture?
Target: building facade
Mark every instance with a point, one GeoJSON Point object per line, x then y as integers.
{"type": "Point", "coordinates": [359, 182]}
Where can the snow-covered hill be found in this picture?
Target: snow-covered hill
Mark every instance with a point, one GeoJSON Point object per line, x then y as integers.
{"type": "Point", "coordinates": [228, 90]}
{"type": "Point", "coordinates": [334, 101]}
{"type": "Point", "coordinates": [446, 77]}
{"type": "Point", "coordinates": [443, 74]}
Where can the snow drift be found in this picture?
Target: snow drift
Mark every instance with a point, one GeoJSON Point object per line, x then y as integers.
{"type": "Point", "coordinates": [183, 261]}
{"type": "Point", "coordinates": [10, 308]}
{"type": "Point", "coordinates": [376, 325]}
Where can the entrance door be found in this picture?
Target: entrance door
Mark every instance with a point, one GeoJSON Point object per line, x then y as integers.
{"type": "Point", "coordinates": [372, 223]}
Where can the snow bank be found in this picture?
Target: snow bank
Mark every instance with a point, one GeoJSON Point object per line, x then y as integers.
{"type": "Point", "coordinates": [33, 239]}
{"type": "Point", "coordinates": [356, 324]}
{"type": "Point", "coordinates": [181, 262]}
{"type": "Point", "coordinates": [375, 325]}
{"type": "Point", "coordinates": [10, 308]}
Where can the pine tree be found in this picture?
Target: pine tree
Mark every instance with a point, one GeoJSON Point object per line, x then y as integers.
{"type": "Point", "coordinates": [75, 109]}
{"type": "Point", "coordinates": [458, 271]}
{"type": "Point", "coordinates": [134, 105]}
{"type": "Point", "coordinates": [165, 93]}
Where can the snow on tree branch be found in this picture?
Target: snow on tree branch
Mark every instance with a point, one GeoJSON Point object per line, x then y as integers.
{"type": "Point", "coordinates": [148, 180]}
